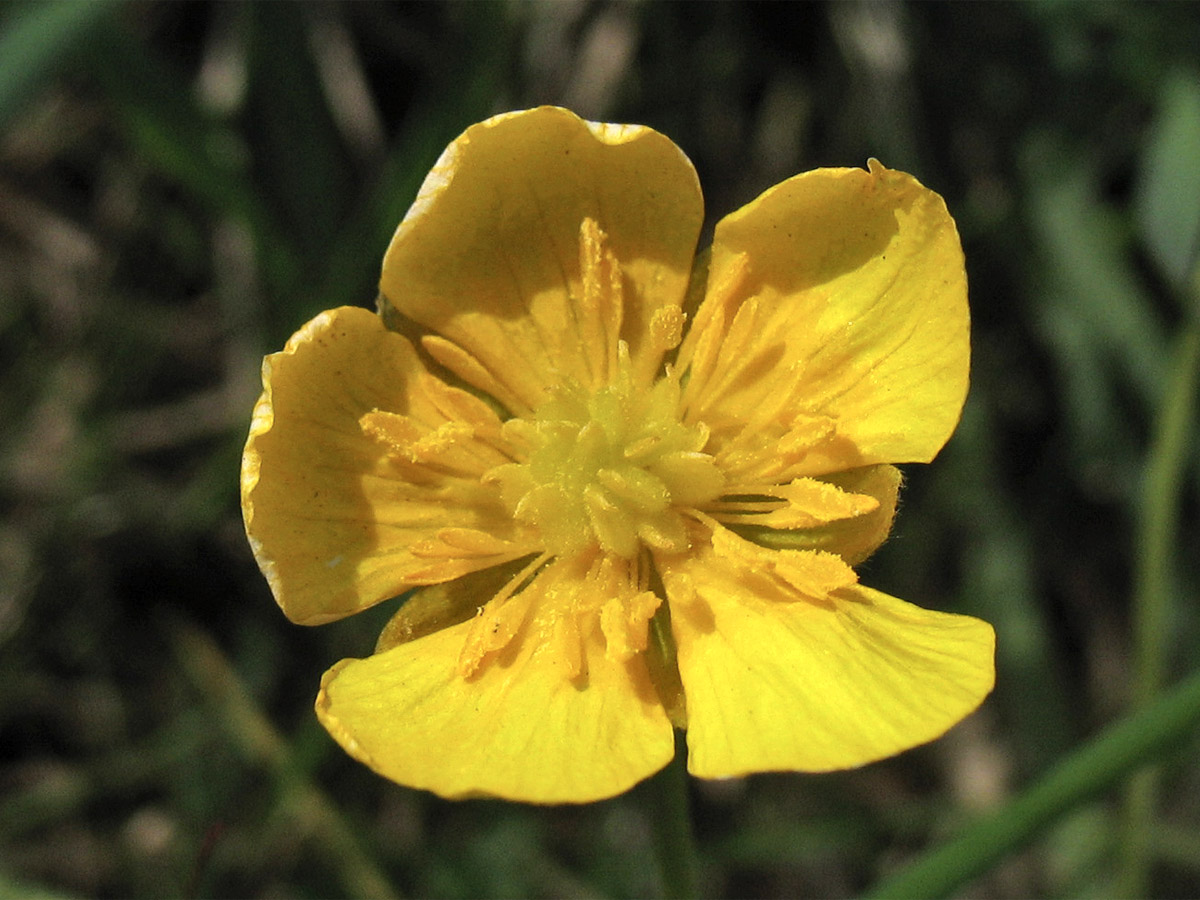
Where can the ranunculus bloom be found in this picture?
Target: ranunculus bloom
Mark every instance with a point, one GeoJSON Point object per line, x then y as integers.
{"type": "Point", "coordinates": [627, 484]}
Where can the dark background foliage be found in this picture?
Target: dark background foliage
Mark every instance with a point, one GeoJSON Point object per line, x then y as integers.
{"type": "Point", "coordinates": [183, 184]}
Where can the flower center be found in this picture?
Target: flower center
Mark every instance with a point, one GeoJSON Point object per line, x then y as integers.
{"type": "Point", "coordinates": [613, 467]}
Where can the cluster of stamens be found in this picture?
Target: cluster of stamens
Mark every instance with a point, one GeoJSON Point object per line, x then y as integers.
{"type": "Point", "coordinates": [612, 468]}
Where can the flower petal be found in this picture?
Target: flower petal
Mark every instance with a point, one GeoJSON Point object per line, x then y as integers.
{"type": "Point", "coordinates": [838, 295]}
{"type": "Point", "coordinates": [494, 252]}
{"type": "Point", "coordinates": [520, 728]}
{"type": "Point", "coordinates": [336, 507]}
{"type": "Point", "coordinates": [774, 682]}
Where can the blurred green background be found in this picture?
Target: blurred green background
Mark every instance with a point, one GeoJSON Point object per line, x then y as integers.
{"type": "Point", "coordinates": [183, 184]}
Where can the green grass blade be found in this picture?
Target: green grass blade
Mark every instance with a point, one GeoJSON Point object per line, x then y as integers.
{"type": "Point", "coordinates": [1158, 525]}
{"type": "Point", "coordinates": [1120, 750]}
{"type": "Point", "coordinates": [302, 802]}
{"type": "Point", "coordinates": [300, 164]}
{"type": "Point", "coordinates": [1168, 214]}
{"type": "Point", "coordinates": [166, 126]}
{"type": "Point", "coordinates": [35, 41]}
{"type": "Point", "coordinates": [443, 109]}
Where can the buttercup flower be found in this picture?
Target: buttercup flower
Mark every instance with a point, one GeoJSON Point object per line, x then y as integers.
{"type": "Point", "coordinates": [627, 484]}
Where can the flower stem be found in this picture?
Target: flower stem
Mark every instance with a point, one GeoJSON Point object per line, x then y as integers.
{"type": "Point", "coordinates": [1157, 526]}
{"type": "Point", "coordinates": [673, 835]}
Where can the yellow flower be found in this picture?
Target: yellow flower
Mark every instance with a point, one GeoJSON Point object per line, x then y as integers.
{"type": "Point", "coordinates": [561, 419]}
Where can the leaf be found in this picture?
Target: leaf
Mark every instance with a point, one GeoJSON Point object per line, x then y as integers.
{"type": "Point", "coordinates": [37, 40]}
{"type": "Point", "coordinates": [300, 162]}
{"type": "Point", "coordinates": [1167, 199]}
{"type": "Point", "coordinates": [1094, 309]}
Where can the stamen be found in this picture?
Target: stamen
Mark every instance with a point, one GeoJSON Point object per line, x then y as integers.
{"type": "Point", "coordinates": [666, 328]}
{"type": "Point", "coordinates": [601, 306]}
{"type": "Point", "coordinates": [473, 372]}
{"type": "Point", "coordinates": [802, 503]}
{"type": "Point", "coordinates": [664, 332]}
{"type": "Point", "coordinates": [498, 622]}
{"type": "Point", "coordinates": [810, 574]}
{"type": "Point", "coordinates": [753, 458]}
{"type": "Point", "coordinates": [704, 359]}
{"type": "Point", "coordinates": [457, 405]}
{"type": "Point", "coordinates": [466, 542]}
{"type": "Point", "coordinates": [625, 623]}
{"type": "Point", "coordinates": [450, 447]}
{"type": "Point", "coordinates": [568, 645]}
{"type": "Point", "coordinates": [454, 552]}
{"type": "Point", "coordinates": [720, 295]}
{"type": "Point", "coordinates": [704, 342]}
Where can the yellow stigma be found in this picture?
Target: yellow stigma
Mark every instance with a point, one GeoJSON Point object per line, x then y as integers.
{"type": "Point", "coordinates": [611, 468]}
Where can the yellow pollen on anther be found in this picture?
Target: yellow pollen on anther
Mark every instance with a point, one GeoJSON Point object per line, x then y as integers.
{"type": "Point", "coordinates": [612, 468]}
